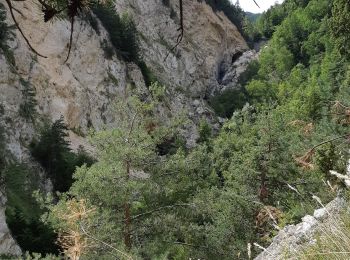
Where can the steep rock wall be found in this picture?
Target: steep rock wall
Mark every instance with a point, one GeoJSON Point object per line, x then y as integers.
{"type": "Point", "coordinates": [83, 89]}
{"type": "Point", "coordinates": [210, 39]}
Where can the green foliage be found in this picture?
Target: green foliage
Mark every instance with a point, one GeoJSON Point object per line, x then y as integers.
{"type": "Point", "coordinates": [147, 74]}
{"type": "Point", "coordinates": [6, 35]}
{"type": "Point", "coordinates": [156, 199]}
{"type": "Point", "coordinates": [27, 108]}
{"type": "Point", "coordinates": [157, 91]}
{"type": "Point", "coordinates": [53, 152]}
{"type": "Point", "coordinates": [121, 30]}
{"type": "Point", "coordinates": [233, 12]}
{"type": "Point", "coordinates": [268, 22]}
{"type": "Point", "coordinates": [249, 73]}
{"type": "Point", "coordinates": [38, 256]}
{"type": "Point", "coordinates": [228, 101]}
{"type": "Point", "coordinates": [107, 49]}
{"type": "Point", "coordinates": [340, 25]}
{"type": "Point", "coordinates": [157, 190]}
{"type": "Point", "coordinates": [205, 131]}
{"type": "Point", "coordinates": [91, 19]}
{"type": "Point", "coordinates": [23, 212]}
{"type": "Point", "coordinates": [252, 17]}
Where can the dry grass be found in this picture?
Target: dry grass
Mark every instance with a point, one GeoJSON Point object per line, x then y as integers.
{"type": "Point", "coordinates": [332, 240]}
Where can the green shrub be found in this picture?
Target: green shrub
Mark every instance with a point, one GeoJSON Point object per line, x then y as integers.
{"type": "Point", "coordinates": [107, 50]}
{"type": "Point", "coordinates": [205, 131]}
{"type": "Point", "coordinates": [157, 91]}
{"type": "Point", "coordinates": [121, 30]}
{"type": "Point", "coordinates": [233, 12]}
{"type": "Point", "coordinates": [147, 74]}
{"type": "Point", "coordinates": [23, 212]}
{"type": "Point", "coordinates": [27, 109]}
{"type": "Point", "coordinates": [228, 101]}
{"type": "Point", "coordinates": [90, 18]}
{"type": "Point", "coordinates": [6, 34]}
{"type": "Point", "coordinates": [249, 73]}
{"type": "Point", "coordinates": [53, 152]}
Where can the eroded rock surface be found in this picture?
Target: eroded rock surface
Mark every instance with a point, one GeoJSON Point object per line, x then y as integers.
{"type": "Point", "coordinates": [293, 238]}
{"type": "Point", "coordinates": [8, 245]}
{"type": "Point", "coordinates": [84, 89]}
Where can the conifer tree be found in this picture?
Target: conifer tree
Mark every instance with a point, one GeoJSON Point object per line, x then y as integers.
{"type": "Point", "coordinates": [340, 25]}
{"type": "Point", "coordinates": [27, 108]}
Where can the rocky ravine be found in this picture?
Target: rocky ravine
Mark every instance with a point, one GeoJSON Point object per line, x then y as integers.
{"type": "Point", "coordinates": [84, 89]}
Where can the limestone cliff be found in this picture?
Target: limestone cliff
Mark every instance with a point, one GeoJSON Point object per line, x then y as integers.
{"type": "Point", "coordinates": [83, 89]}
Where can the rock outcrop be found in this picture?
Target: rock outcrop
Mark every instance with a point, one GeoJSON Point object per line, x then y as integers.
{"type": "Point", "coordinates": [210, 40]}
{"type": "Point", "coordinates": [84, 89]}
{"type": "Point", "coordinates": [293, 238]}
{"type": "Point", "coordinates": [8, 245]}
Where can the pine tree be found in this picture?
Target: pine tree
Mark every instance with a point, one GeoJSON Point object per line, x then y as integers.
{"type": "Point", "coordinates": [340, 25]}
{"type": "Point", "coordinates": [6, 34]}
{"type": "Point", "coordinates": [52, 151]}
{"type": "Point", "coordinates": [27, 108]}
{"type": "Point", "coordinates": [116, 183]}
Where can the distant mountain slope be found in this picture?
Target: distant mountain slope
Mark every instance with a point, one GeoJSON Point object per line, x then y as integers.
{"type": "Point", "coordinates": [252, 16]}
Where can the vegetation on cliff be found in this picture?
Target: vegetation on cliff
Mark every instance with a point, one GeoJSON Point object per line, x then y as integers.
{"type": "Point", "coordinates": [147, 196]}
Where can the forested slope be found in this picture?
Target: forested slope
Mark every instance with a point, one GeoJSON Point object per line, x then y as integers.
{"type": "Point", "coordinates": [148, 195]}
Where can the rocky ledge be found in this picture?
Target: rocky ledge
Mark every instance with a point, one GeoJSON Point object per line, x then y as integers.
{"type": "Point", "coordinates": [293, 238]}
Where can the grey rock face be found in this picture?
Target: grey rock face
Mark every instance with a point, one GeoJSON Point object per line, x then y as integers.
{"type": "Point", "coordinates": [293, 237]}
{"type": "Point", "coordinates": [8, 245]}
{"type": "Point", "coordinates": [84, 89]}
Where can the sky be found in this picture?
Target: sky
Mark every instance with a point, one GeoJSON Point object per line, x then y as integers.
{"type": "Point", "coordinates": [249, 5]}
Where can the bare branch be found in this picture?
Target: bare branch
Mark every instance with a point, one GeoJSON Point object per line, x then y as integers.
{"type": "Point", "coordinates": [181, 30]}
{"type": "Point", "coordinates": [161, 208]}
{"type": "Point", "coordinates": [20, 30]}
{"type": "Point", "coordinates": [70, 38]}
{"type": "Point", "coordinates": [104, 243]}
{"type": "Point", "coordinates": [256, 3]}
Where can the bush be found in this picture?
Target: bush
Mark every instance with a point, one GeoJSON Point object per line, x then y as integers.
{"type": "Point", "coordinates": [249, 73]}
{"type": "Point", "coordinates": [54, 154]}
{"type": "Point", "coordinates": [23, 212]}
{"type": "Point", "coordinates": [107, 50]}
{"type": "Point", "coordinates": [147, 74]}
{"type": "Point", "coordinates": [6, 34]}
{"type": "Point", "coordinates": [122, 31]}
{"type": "Point", "coordinates": [27, 109]}
{"type": "Point", "coordinates": [91, 19]}
{"type": "Point", "coordinates": [233, 12]}
{"type": "Point", "coordinates": [205, 131]}
{"type": "Point", "coordinates": [228, 101]}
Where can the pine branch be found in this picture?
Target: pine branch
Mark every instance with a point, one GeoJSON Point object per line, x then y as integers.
{"type": "Point", "coordinates": [70, 38]}
{"type": "Point", "coordinates": [181, 30]}
{"type": "Point", "coordinates": [256, 3]}
{"type": "Point", "coordinates": [20, 29]}
{"type": "Point", "coordinates": [161, 208]}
